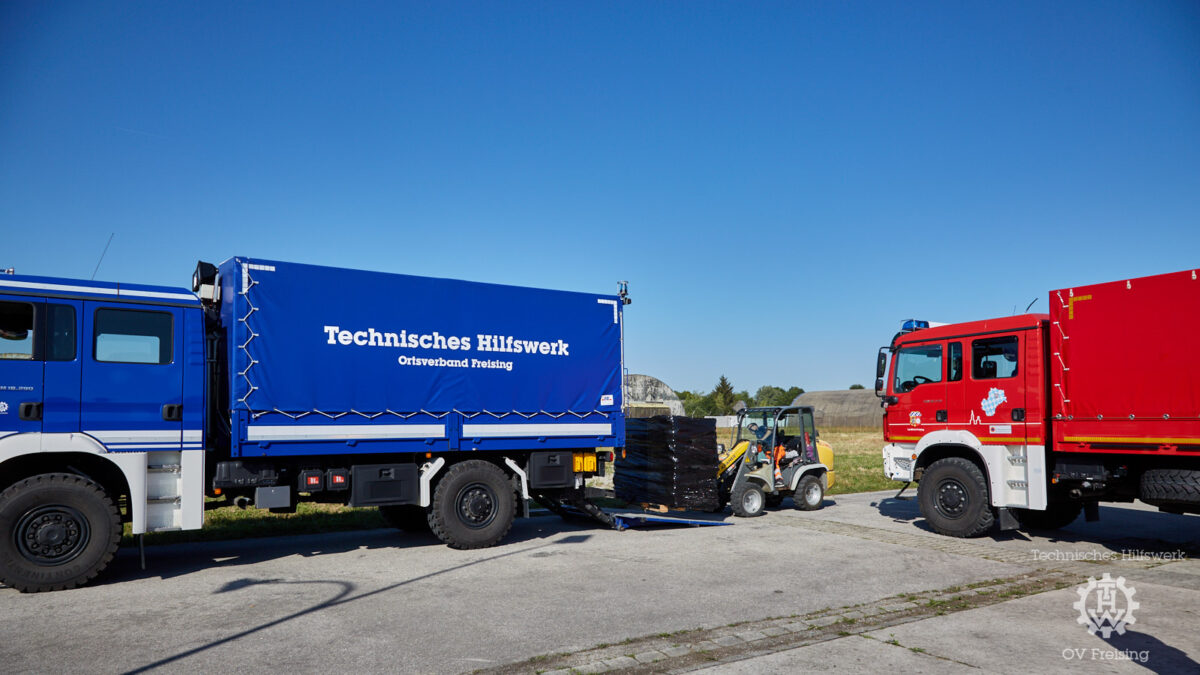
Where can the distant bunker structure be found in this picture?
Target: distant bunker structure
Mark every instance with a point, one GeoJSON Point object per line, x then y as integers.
{"type": "Point", "coordinates": [647, 396]}
{"type": "Point", "coordinates": [851, 408]}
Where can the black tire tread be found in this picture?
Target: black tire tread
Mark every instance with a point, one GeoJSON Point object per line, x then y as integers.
{"type": "Point", "coordinates": [987, 516]}
{"type": "Point", "coordinates": [445, 530]}
{"type": "Point", "coordinates": [798, 498]}
{"type": "Point", "coordinates": [1170, 486]}
{"type": "Point", "coordinates": [70, 481]}
{"type": "Point", "coordinates": [735, 500]}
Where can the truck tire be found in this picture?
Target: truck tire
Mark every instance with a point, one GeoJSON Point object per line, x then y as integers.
{"type": "Point", "coordinates": [1056, 516]}
{"type": "Point", "coordinates": [747, 500]}
{"type": "Point", "coordinates": [810, 494]}
{"type": "Point", "coordinates": [1170, 486]}
{"type": "Point", "coordinates": [408, 517]}
{"type": "Point", "coordinates": [473, 505]}
{"type": "Point", "coordinates": [57, 531]}
{"type": "Point", "coordinates": [953, 493]}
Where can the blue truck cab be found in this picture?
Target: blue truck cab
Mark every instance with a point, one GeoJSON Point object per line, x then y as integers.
{"type": "Point", "coordinates": [447, 404]}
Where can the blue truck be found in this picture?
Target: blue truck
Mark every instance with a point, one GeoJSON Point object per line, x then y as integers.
{"type": "Point", "coordinates": [447, 404]}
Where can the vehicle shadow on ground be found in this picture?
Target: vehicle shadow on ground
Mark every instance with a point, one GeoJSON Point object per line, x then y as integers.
{"type": "Point", "coordinates": [1159, 534]}
{"type": "Point", "coordinates": [174, 560]}
{"type": "Point", "coordinates": [345, 590]}
{"type": "Point", "coordinates": [1150, 653]}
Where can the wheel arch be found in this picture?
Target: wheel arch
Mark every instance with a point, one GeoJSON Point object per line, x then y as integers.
{"type": "Point", "coordinates": [819, 470]}
{"type": "Point", "coordinates": [19, 461]}
{"type": "Point", "coordinates": [757, 480]}
{"type": "Point", "coordinates": [940, 451]}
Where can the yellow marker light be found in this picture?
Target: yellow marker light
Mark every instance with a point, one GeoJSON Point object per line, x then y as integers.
{"type": "Point", "coordinates": [585, 462]}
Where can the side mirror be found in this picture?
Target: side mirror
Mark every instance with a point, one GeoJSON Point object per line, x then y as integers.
{"type": "Point", "coordinates": [878, 385]}
{"type": "Point", "coordinates": [880, 366]}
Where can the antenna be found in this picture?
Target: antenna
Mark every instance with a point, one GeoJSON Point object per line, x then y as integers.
{"type": "Point", "coordinates": [1030, 304]}
{"type": "Point", "coordinates": [110, 238]}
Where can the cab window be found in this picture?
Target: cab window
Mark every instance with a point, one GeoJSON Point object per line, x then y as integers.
{"type": "Point", "coordinates": [916, 366]}
{"type": "Point", "coordinates": [16, 331]}
{"type": "Point", "coordinates": [60, 331]}
{"type": "Point", "coordinates": [955, 363]}
{"type": "Point", "coordinates": [994, 358]}
{"type": "Point", "coordinates": [757, 426]}
{"type": "Point", "coordinates": [132, 336]}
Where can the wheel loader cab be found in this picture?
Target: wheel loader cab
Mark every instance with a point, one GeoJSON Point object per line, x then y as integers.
{"type": "Point", "coordinates": [776, 453]}
{"type": "Point", "coordinates": [766, 429]}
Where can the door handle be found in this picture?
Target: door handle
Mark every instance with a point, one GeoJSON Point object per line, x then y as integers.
{"type": "Point", "coordinates": [30, 411]}
{"type": "Point", "coordinates": [940, 416]}
{"type": "Point", "coordinates": [172, 412]}
{"type": "Point", "coordinates": [1018, 414]}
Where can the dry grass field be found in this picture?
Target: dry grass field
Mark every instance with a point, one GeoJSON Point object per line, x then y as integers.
{"type": "Point", "coordinates": [857, 459]}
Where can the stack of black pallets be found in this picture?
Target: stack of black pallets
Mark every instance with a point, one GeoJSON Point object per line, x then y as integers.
{"type": "Point", "coordinates": [671, 461]}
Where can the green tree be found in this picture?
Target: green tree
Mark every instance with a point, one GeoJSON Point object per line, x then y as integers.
{"type": "Point", "coordinates": [723, 397]}
{"type": "Point", "coordinates": [791, 394]}
{"type": "Point", "coordinates": [700, 406]}
{"type": "Point", "coordinates": [768, 395]}
{"type": "Point", "coordinates": [857, 386]}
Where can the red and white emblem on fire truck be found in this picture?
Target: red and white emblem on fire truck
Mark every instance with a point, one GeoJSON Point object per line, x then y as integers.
{"type": "Point", "coordinates": [914, 418]}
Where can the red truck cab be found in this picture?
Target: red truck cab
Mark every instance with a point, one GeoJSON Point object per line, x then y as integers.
{"type": "Point", "coordinates": [1033, 418]}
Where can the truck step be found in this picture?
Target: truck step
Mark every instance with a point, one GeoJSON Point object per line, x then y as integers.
{"type": "Point", "coordinates": [163, 500]}
{"type": "Point", "coordinates": [169, 528]}
{"type": "Point", "coordinates": [164, 468]}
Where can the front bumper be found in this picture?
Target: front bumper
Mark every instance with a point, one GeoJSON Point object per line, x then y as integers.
{"type": "Point", "coordinates": [898, 462]}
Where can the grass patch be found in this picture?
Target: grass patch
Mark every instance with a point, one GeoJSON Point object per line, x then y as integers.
{"type": "Point", "coordinates": [857, 460]}
{"type": "Point", "coordinates": [230, 522]}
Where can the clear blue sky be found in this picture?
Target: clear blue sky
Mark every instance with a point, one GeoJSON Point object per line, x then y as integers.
{"type": "Point", "coordinates": [780, 183]}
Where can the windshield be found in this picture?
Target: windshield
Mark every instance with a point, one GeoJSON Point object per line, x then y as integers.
{"type": "Point", "coordinates": [756, 426]}
{"type": "Point", "coordinates": [917, 365]}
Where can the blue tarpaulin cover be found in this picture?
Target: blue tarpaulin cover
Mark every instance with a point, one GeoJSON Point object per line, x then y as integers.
{"type": "Point", "coordinates": [311, 338]}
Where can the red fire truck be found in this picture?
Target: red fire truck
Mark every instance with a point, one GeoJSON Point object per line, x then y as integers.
{"type": "Point", "coordinates": [1028, 420]}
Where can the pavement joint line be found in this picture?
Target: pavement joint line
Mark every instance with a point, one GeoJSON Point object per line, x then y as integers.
{"type": "Point", "coordinates": [682, 652]}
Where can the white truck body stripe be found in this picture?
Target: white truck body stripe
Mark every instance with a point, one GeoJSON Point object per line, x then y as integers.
{"type": "Point", "coordinates": [517, 430]}
{"type": "Point", "coordinates": [306, 432]}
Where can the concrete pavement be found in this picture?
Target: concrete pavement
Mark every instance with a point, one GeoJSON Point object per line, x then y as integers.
{"type": "Point", "coordinates": [857, 586]}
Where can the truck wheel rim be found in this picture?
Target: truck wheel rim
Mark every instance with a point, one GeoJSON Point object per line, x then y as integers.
{"type": "Point", "coordinates": [952, 500]}
{"type": "Point", "coordinates": [476, 505]}
{"type": "Point", "coordinates": [52, 535]}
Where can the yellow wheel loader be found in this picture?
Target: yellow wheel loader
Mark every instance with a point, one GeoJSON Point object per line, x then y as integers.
{"type": "Point", "coordinates": [776, 453]}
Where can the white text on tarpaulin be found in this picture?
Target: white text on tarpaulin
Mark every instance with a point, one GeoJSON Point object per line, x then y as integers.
{"type": "Point", "coordinates": [336, 335]}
